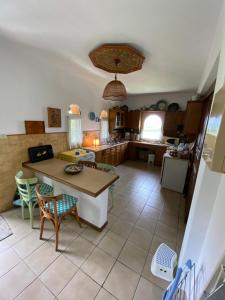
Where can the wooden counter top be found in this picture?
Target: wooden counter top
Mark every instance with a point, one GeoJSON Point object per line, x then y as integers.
{"type": "Point", "coordinates": [149, 143]}
{"type": "Point", "coordinates": [90, 181]}
{"type": "Point", "coordinates": [103, 147]}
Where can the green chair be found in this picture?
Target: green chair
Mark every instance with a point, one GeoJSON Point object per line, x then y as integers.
{"type": "Point", "coordinates": [110, 169]}
{"type": "Point", "coordinates": [26, 188]}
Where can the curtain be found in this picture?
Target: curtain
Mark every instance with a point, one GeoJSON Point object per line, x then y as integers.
{"type": "Point", "coordinates": [152, 125]}
{"type": "Point", "coordinates": [75, 131]}
{"type": "Point", "coordinates": [104, 134]}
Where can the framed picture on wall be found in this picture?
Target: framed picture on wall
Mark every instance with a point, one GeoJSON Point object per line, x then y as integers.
{"type": "Point", "coordinates": [54, 117]}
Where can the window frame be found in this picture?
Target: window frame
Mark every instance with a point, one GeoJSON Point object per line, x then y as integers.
{"type": "Point", "coordinates": [80, 138]}
{"type": "Point", "coordinates": [145, 115]}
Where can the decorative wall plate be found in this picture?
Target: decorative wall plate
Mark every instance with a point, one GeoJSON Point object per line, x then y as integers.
{"type": "Point", "coordinates": [173, 107]}
{"type": "Point", "coordinates": [161, 105]}
{"type": "Point", "coordinates": [91, 116]}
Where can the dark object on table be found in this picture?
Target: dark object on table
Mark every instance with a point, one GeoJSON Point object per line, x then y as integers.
{"type": "Point", "coordinates": [161, 105]}
{"type": "Point", "coordinates": [40, 153]}
{"type": "Point", "coordinates": [77, 153]}
{"type": "Point", "coordinates": [73, 169]}
{"type": "Point", "coordinates": [173, 107]}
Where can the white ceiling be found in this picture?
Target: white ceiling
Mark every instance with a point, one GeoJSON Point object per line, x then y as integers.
{"type": "Point", "coordinates": [174, 35]}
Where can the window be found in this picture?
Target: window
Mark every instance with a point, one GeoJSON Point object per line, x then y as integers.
{"type": "Point", "coordinates": [152, 128]}
{"type": "Point", "coordinates": [75, 131]}
{"type": "Point", "coordinates": [104, 134]}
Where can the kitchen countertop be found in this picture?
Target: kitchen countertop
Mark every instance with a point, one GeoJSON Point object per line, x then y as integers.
{"type": "Point", "coordinates": [150, 143]}
{"type": "Point", "coordinates": [103, 147]}
{"type": "Point", "coordinates": [89, 181]}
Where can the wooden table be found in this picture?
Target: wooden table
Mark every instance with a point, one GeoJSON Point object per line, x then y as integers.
{"type": "Point", "coordinates": [90, 186]}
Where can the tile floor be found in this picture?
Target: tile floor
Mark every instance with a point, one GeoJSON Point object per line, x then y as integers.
{"type": "Point", "coordinates": [113, 264]}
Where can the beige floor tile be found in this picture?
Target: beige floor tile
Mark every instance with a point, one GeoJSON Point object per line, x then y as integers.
{"type": "Point", "coordinates": [15, 281]}
{"type": "Point", "coordinates": [112, 244]}
{"type": "Point", "coordinates": [133, 257]}
{"type": "Point", "coordinates": [147, 274]}
{"type": "Point", "coordinates": [28, 244]}
{"type": "Point", "coordinates": [166, 232]}
{"type": "Point", "coordinates": [80, 287]}
{"type": "Point", "coordinates": [36, 291]}
{"type": "Point", "coordinates": [104, 295]}
{"type": "Point", "coordinates": [146, 291]}
{"type": "Point", "coordinates": [8, 259]}
{"type": "Point", "coordinates": [155, 202]}
{"type": "Point", "coordinates": [169, 220]}
{"type": "Point", "coordinates": [58, 274]}
{"type": "Point", "coordinates": [93, 235]}
{"type": "Point", "coordinates": [73, 225]}
{"type": "Point", "coordinates": [41, 258]}
{"type": "Point", "coordinates": [147, 223]}
{"type": "Point", "coordinates": [66, 236]}
{"type": "Point", "coordinates": [130, 215]}
{"type": "Point", "coordinates": [151, 212]}
{"type": "Point", "coordinates": [141, 238]}
{"type": "Point", "coordinates": [79, 250]}
{"type": "Point", "coordinates": [111, 221]}
{"type": "Point", "coordinates": [122, 228]}
{"type": "Point", "coordinates": [98, 265]}
{"type": "Point", "coordinates": [122, 282]}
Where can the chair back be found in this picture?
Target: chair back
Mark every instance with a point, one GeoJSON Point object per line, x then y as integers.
{"type": "Point", "coordinates": [47, 203]}
{"type": "Point", "coordinates": [88, 163]}
{"type": "Point", "coordinates": [107, 168]}
{"type": "Point", "coordinates": [24, 186]}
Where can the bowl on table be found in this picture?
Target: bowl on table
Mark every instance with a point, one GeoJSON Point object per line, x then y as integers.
{"type": "Point", "coordinates": [73, 169]}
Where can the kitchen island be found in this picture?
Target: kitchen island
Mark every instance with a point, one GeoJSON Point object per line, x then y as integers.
{"type": "Point", "coordinates": [90, 186]}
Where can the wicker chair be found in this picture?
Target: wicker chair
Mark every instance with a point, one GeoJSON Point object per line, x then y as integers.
{"type": "Point", "coordinates": [55, 209]}
{"type": "Point", "coordinates": [87, 163]}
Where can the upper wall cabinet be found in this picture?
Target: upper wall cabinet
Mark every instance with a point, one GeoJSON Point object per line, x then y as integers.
{"type": "Point", "coordinates": [134, 120]}
{"type": "Point", "coordinates": [193, 118]}
{"type": "Point", "coordinates": [174, 122]}
{"type": "Point", "coordinates": [117, 119]}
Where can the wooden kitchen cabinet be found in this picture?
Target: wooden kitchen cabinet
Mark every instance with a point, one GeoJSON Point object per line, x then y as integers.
{"type": "Point", "coordinates": [117, 119]}
{"type": "Point", "coordinates": [113, 156]}
{"type": "Point", "coordinates": [174, 122]}
{"type": "Point", "coordinates": [193, 117]}
{"type": "Point", "coordinates": [134, 120]}
{"type": "Point", "coordinates": [157, 149]}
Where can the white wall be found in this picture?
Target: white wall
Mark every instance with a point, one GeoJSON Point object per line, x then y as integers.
{"type": "Point", "coordinates": [140, 100]}
{"type": "Point", "coordinates": [32, 79]}
{"type": "Point", "coordinates": [204, 240]}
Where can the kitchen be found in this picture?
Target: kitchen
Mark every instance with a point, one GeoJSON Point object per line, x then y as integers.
{"type": "Point", "coordinates": [101, 140]}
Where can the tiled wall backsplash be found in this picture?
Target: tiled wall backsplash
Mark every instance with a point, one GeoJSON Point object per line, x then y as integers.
{"type": "Point", "coordinates": [89, 136]}
{"type": "Point", "coordinates": [13, 151]}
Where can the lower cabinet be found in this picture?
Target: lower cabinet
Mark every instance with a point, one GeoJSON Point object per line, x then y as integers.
{"type": "Point", "coordinates": [113, 156]}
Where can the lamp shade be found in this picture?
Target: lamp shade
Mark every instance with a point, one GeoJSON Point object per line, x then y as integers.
{"type": "Point", "coordinates": [74, 109]}
{"type": "Point", "coordinates": [104, 114]}
{"type": "Point", "coordinates": [115, 91]}
{"type": "Point", "coordinates": [96, 142]}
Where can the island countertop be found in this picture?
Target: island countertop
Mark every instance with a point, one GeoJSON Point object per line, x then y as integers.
{"type": "Point", "coordinates": [90, 181]}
